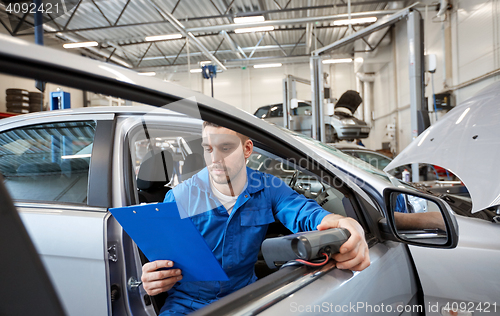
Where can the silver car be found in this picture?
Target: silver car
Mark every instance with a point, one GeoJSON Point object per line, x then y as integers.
{"type": "Point", "coordinates": [66, 168]}
{"type": "Point", "coordinates": [341, 125]}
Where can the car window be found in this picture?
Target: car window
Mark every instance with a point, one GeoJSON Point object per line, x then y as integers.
{"type": "Point", "coordinates": [302, 109]}
{"type": "Point", "coordinates": [262, 112]}
{"type": "Point", "coordinates": [276, 111]}
{"type": "Point", "coordinates": [48, 162]}
{"type": "Point", "coordinates": [375, 160]}
{"type": "Point", "coordinates": [302, 181]}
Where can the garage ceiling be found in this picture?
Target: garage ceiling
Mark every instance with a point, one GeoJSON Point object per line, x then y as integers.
{"type": "Point", "coordinates": [120, 28]}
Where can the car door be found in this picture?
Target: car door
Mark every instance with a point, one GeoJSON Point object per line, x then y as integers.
{"type": "Point", "coordinates": [389, 281]}
{"type": "Point", "coordinates": [50, 167]}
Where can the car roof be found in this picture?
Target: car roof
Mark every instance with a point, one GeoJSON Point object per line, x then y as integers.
{"type": "Point", "coordinates": [126, 109]}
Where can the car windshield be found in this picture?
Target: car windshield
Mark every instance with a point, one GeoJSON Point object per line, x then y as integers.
{"type": "Point", "coordinates": [349, 159]}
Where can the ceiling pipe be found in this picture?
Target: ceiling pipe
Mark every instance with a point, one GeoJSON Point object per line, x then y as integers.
{"type": "Point", "coordinates": [187, 33]}
{"type": "Point", "coordinates": [305, 20]}
{"type": "Point", "coordinates": [378, 36]}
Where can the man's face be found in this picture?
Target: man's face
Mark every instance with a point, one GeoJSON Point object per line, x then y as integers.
{"type": "Point", "coordinates": [224, 154]}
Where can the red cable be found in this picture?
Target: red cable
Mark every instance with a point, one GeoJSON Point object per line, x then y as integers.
{"type": "Point", "coordinates": [314, 264]}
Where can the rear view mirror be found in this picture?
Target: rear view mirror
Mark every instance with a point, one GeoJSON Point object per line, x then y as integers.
{"type": "Point", "coordinates": [420, 219]}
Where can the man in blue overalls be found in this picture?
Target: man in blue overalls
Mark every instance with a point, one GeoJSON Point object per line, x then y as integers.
{"type": "Point", "coordinates": [232, 206]}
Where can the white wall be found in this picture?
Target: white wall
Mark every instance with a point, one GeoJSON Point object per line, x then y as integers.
{"type": "Point", "coordinates": [7, 82]}
{"type": "Point", "coordinates": [472, 49]}
{"type": "Point", "coordinates": [249, 89]}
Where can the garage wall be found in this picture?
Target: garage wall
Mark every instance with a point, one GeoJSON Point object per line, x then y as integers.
{"type": "Point", "coordinates": [7, 82]}
{"type": "Point", "coordinates": [467, 46]}
{"type": "Point", "coordinates": [250, 88]}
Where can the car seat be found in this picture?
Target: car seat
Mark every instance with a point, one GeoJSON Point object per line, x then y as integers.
{"type": "Point", "coordinates": [192, 164]}
{"type": "Point", "coordinates": [154, 174]}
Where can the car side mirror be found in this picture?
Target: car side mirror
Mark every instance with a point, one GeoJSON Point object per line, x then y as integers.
{"type": "Point", "coordinates": [419, 219]}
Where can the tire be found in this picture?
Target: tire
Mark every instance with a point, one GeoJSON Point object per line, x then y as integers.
{"type": "Point", "coordinates": [17, 98]}
{"type": "Point", "coordinates": [17, 92]}
{"type": "Point", "coordinates": [330, 134]}
{"type": "Point", "coordinates": [11, 104]}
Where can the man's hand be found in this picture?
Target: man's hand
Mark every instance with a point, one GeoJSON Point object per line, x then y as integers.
{"type": "Point", "coordinates": [354, 254]}
{"type": "Point", "coordinates": [156, 282]}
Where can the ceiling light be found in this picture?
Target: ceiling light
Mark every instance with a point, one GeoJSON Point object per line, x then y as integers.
{"type": "Point", "coordinates": [358, 59]}
{"type": "Point", "coordinates": [149, 74]}
{"type": "Point", "coordinates": [195, 70]}
{"type": "Point", "coordinates": [81, 44]}
{"type": "Point", "coordinates": [255, 29]}
{"type": "Point", "coordinates": [249, 19]}
{"type": "Point", "coordinates": [268, 65]}
{"type": "Point", "coordinates": [203, 63]}
{"type": "Point", "coordinates": [162, 37]}
{"type": "Point", "coordinates": [337, 61]}
{"type": "Point", "coordinates": [355, 21]}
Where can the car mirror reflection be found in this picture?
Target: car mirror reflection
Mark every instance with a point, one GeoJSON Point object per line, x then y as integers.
{"type": "Point", "coordinates": [417, 219]}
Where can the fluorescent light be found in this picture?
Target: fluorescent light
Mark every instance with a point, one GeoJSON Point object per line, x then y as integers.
{"type": "Point", "coordinates": [162, 37]}
{"type": "Point", "coordinates": [149, 74]}
{"type": "Point", "coordinates": [358, 59]}
{"type": "Point", "coordinates": [268, 65]}
{"type": "Point", "coordinates": [249, 19]}
{"type": "Point", "coordinates": [337, 61]}
{"type": "Point", "coordinates": [355, 21]}
{"type": "Point", "coordinates": [195, 70]}
{"type": "Point", "coordinates": [76, 156]}
{"type": "Point", "coordinates": [255, 29]}
{"type": "Point", "coordinates": [203, 63]}
{"type": "Point", "coordinates": [81, 44]}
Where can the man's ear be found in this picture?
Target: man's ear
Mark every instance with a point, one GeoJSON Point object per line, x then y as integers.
{"type": "Point", "coordinates": [247, 148]}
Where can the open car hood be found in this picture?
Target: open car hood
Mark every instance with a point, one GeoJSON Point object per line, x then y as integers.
{"type": "Point", "coordinates": [350, 100]}
{"type": "Point", "coordinates": [467, 142]}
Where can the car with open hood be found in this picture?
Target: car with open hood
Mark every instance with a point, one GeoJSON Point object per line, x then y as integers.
{"type": "Point", "coordinates": [340, 125]}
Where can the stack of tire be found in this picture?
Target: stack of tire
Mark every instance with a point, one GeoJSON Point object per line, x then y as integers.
{"type": "Point", "coordinates": [36, 101]}
{"type": "Point", "coordinates": [18, 101]}
{"type": "Point", "coordinates": [23, 101]}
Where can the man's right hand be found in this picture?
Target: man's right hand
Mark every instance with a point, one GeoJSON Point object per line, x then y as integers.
{"type": "Point", "coordinates": [156, 282]}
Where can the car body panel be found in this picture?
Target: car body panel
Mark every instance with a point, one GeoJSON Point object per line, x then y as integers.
{"type": "Point", "coordinates": [454, 275]}
{"type": "Point", "coordinates": [71, 242]}
{"type": "Point", "coordinates": [341, 289]}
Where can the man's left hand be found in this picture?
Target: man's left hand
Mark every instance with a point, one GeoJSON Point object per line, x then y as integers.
{"type": "Point", "coordinates": [354, 254]}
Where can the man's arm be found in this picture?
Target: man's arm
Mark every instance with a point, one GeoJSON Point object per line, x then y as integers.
{"type": "Point", "coordinates": [299, 213]}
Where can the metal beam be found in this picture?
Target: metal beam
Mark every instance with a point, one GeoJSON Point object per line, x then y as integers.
{"type": "Point", "coordinates": [234, 47]}
{"type": "Point", "coordinates": [161, 52]}
{"type": "Point", "coordinates": [230, 27]}
{"type": "Point", "coordinates": [279, 45]}
{"type": "Point", "coordinates": [266, 48]}
{"type": "Point", "coordinates": [179, 53]}
{"type": "Point", "coordinates": [5, 26]}
{"type": "Point", "coordinates": [71, 16]}
{"type": "Point", "coordinates": [147, 50]}
{"type": "Point", "coordinates": [258, 43]}
{"type": "Point", "coordinates": [178, 25]}
{"type": "Point", "coordinates": [313, 19]}
{"type": "Point", "coordinates": [102, 13]}
{"type": "Point", "coordinates": [380, 24]}
{"type": "Point", "coordinates": [18, 26]}
{"type": "Point", "coordinates": [121, 13]}
{"type": "Point", "coordinates": [298, 42]}
{"type": "Point", "coordinates": [175, 7]}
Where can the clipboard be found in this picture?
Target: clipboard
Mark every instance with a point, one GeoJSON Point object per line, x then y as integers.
{"type": "Point", "coordinates": [161, 234]}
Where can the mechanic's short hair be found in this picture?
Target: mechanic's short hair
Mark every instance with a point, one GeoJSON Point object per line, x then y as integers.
{"type": "Point", "coordinates": [242, 137]}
